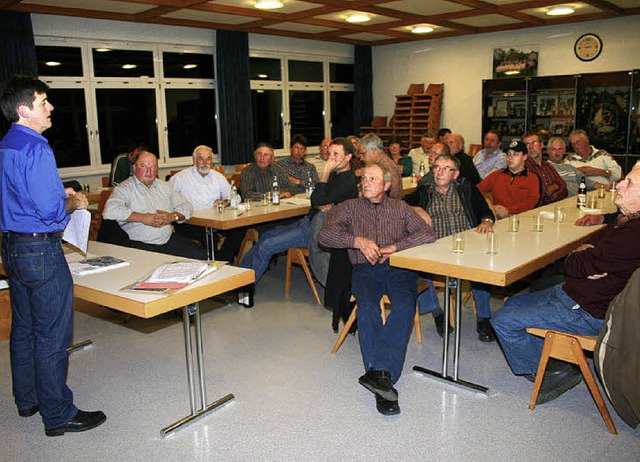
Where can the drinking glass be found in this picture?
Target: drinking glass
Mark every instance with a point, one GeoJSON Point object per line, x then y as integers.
{"type": "Point", "coordinates": [538, 223]}
{"type": "Point", "coordinates": [514, 223]}
{"type": "Point", "coordinates": [457, 242]}
{"type": "Point", "coordinates": [558, 214]}
{"type": "Point", "coordinates": [491, 244]}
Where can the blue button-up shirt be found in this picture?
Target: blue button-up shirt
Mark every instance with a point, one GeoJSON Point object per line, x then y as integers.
{"type": "Point", "coordinates": [32, 197]}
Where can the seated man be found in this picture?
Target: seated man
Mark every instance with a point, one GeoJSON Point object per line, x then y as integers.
{"type": "Point", "coordinates": [467, 167]}
{"type": "Point", "coordinates": [514, 189]}
{"type": "Point", "coordinates": [556, 148]}
{"type": "Point", "coordinates": [553, 188]}
{"type": "Point", "coordinates": [205, 188]}
{"type": "Point", "coordinates": [257, 178]}
{"type": "Point", "coordinates": [146, 208]}
{"type": "Point", "coordinates": [298, 169]}
{"type": "Point", "coordinates": [323, 154]}
{"type": "Point", "coordinates": [595, 273]}
{"type": "Point", "coordinates": [451, 206]}
{"type": "Point", "coordinates": [338, 183]}
{"type": "Point", "coordinates": [122, 165]}
{"type": "Point", "coordinates": [373, 152]}
{"type": "Point", "coordinates": [421, 154]}
{"type": "Point", "coordinates": [491, 158]}
{"type": "Point", "coordinates": [596, 164]}
{"type": "Point", "coordinates": [372, 227]}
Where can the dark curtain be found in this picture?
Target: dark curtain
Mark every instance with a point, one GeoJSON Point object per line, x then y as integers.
{"type": "Point", "coordinates": [17, 50]}
{"type": "Point", "coordinates": [363, 91]}
{"type": "Point", "coordinates": [234, 92]}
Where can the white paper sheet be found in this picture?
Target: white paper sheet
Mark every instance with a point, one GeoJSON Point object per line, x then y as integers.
{"type": "Point", "coordinates": [77, 231]}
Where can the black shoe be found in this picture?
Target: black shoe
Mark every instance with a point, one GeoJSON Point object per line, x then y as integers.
{"type": "Point", "coordinates": [386, 407]}
{"type": "Point", "coordinates": [560, 379]}
{"type": "Point", "coordinates": [81, 422]}
{"type": "Point", "coordinates": [485, 330]}
{"type": "Point", "coordinates": [439, 321]}
{"type": "Point", "coordinates": [354, 328]}
{"type": "Point", "coordinates": [530, 377]}
{"type": "Point", "coordinates": [28, 412]}
{"type": "Point", "coordinates": [379, 382]}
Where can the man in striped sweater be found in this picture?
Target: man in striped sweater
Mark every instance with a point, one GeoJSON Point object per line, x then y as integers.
{"type": "Point", "coordinates": [372, 227]}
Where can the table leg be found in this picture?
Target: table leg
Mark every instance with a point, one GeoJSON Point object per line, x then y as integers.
{"type": "Point", "coordinates": [443, 375]}
{"type": "Point", "coordinates": [79, 346]}
{"type": "Point", "coordinates": [245, 296]}
{"type": "Point", "coordinates": [211, 243]}
{"type": "Point", "coordinates": [203, 408]}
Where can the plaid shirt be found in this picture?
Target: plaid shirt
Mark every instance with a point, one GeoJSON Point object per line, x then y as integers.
{"type": "Point", "coordinates": [299, 171]}
{"type": "Point", "coordinates": [447, 212]}
{"type": "Point", "coordinates": [548, 176]}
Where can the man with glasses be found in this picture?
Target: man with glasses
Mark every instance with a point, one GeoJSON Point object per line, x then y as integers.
{"type": "Point", "coordinates": [451, 206]}
{"type": "Point", "coordinates": [556, 148]}
{"type": "Point", "coordinates": [372, 227]}
{"type": "Point", "coordinates": [491, 158]}
{"type": "Point", "coordinates": [323, 154]}
{"type": "Point", "coordinates": [553, 187]}
{"type": "Point", "coordinates": [514, 189]}
{"type": "Point", "coordinates": [596, 165]}
{"type": "Point", "coordinates": [146, 209]}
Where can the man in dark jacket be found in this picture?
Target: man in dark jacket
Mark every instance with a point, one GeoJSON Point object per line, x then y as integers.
{"type": "Point", "coordinates": [452, 206]}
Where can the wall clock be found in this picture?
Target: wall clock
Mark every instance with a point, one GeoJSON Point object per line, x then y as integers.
{"type": "Point", "coordinates": [588, 47]}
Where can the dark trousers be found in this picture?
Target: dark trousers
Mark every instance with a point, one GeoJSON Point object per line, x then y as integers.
{"type": "Point", "coordinates": [41, 291]}
{"type": "Point", "coordinates": [178, 245]}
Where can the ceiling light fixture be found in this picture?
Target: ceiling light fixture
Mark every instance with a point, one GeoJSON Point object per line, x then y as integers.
{"type": "Point", "coordinates": [358, 17]}
{"type": "Point", "coordinates": [560, 11]}
{"type": "Point", "coordinates": [511, 72]}
{"type": "Point", "coordinates": [189, 66]}
{"type": "Point", "coordinates": [422, 29]}
{"type": "Point", "coordinates": [129, 66]}
{"type": "Point", "coordinates": [53, 63]}
{"type": "Point", "coordinates": [268, 4]}
{"type": "Point", "coordinates": [263, 76]}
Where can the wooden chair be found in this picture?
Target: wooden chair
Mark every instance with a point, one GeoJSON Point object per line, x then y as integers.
{"type": "Point", "coordinates": [250, 238]}
{"type": "Point", "coordinates": [474, 149]}
{"type": "Point", "coordinates": [568, 347]}
{"type": "Point", "coordinates": [422, 285]}
{"type": "Point", "coordinates": [241, 167]}
{"type": "Point", "coordinates": [298, 256]}
{"type": "Point", "coordinates": [97, 221]}
{"type": "Point", "coordinates": [105, 181]}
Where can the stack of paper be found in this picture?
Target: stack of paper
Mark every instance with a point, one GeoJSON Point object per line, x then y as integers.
{"type": "Point", "coordinates": [96, 265]}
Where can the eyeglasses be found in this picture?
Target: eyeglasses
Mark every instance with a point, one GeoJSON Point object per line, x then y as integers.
{"type": "Point", "coordinates": [445, 169]}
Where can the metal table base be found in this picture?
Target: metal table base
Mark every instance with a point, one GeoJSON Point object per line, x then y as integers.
{"type": "Point", "coordinates": [443, 375]}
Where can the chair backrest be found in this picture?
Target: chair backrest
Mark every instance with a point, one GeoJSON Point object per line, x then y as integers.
{"type": "Point", "coordinates": [105, 181]}
{"type": "Point", "coordinates": [474, 149]}
{"type": "Point", "coordinates": [241, 167]}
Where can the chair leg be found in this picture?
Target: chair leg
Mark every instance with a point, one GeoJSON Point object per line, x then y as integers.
{"type": "Point", "coordinates": [307, 272]}
{"type": "Point", "coordinates": [593, 387]}
{"type": "Point", "coordinates": [417, 325]}
{"type": "Point", "coordinates": [345, 330]}
{"type": "Point", "coordinates": [542, 367]}
{"type": "Point", "coordinates": [287, 276]}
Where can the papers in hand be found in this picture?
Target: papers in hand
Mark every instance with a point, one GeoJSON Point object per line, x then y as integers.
{"type": "Point", "coordinates": [96, 265]}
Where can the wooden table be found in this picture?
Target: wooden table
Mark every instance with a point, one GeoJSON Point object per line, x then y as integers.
{"type": "Point", "coordinates": [213, 220]}
{"type": "Point", "coordinates": [107, 289]}
{"type": "Point", "coordinates": [407, 186]}
{"type": "Point", "coordinates": [519, 254]}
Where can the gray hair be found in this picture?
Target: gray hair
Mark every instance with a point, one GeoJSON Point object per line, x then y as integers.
{"type": "Point", "coordinates": [556, 139]}
{"type": "Point", "coordinates": [371, 141]}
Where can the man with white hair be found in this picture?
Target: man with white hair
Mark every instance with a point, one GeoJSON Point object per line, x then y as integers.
{"type": "Point", "coordinates": [597, 165]}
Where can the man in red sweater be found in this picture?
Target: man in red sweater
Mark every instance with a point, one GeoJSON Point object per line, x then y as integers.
{"type": "Point", "coordinates": [514, 189]}
{"type": "Point", "coordinates": [595, 273]}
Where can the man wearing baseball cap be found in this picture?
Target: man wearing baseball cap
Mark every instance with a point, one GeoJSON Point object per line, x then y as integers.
{"type": "Point", "coordinates": [514, 189]}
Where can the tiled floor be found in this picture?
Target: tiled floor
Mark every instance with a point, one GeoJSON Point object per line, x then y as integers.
{"type": "Point", "coordinates": [296, 401]}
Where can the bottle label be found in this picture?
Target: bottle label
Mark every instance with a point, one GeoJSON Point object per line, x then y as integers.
{"type": "Point", "coordinates": [276, 198]}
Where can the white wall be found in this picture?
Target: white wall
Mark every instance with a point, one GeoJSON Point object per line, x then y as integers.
{"type": "Point", "coordinates": [462, 63]}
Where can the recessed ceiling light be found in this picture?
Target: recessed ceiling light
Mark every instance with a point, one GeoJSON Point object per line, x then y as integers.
{"type": "Point", "coordinates": [268, 4]}
{"type": "Point", "coordinates": [560, 11]}
{"type": "Point", "coordinates": [103, 50]}
{"type": "Point", "coordinates": [358, 17]}
{"type": "Point", "coordinates": [422, 29]}
{"type": "Point", "coordinates": [129, 66]}
{"type": "Point", "coordinates": [263, 76]}
{"type": "Point", "coordinates": [52, 63]}
{"type": "Point", "coordinates": [511, 72]}
{"type": "Point", "coordinates": [189, 66]}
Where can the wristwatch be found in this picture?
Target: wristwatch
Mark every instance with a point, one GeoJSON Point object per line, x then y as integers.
{"type": "Point", "coordinates": [176, 218]}
{"type": "Point", "coordinates": [487, 219]}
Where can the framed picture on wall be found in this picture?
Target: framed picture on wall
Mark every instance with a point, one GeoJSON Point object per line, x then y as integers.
{"type": "Point", "coordinates": [502, 108]}
{"type": "Point", "coordinates": [546, 105]}
{"type": "Point", "coordinates": [513, 62]}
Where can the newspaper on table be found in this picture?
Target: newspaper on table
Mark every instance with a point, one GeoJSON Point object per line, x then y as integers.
{"type": "Point", "coordinates": [96, 265]}
{"type": "Point", "coordinates": [175, 275]}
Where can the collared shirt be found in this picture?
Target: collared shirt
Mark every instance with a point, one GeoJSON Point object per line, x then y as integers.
{"type": "Point", "coordinates": [134, 196]}
{"type": "Point", "coordinates": [548, 176]}
{"type": "Point", "coordinates": [300, 171]}
{"type": "Point", "coordinates": [570, 175]}
{"type": "Point", "coordinates": [32, 197]}
{"type": "Point", "coordinates": [201, 191]}
{"type": "Point", "coordinates": [599, 158]}
{"type": "Point", "coordinates": [255, 182]}
{"type": "Point", "coordinates": [447, 212]}
{"type": "Point", "coordinates": [518, 193]}
{"type": "Point", "coordinates": [395, 191]}
{"type": "Point", "coordinates": [390, 222]}
{"type": "Point", "coordinates": [417, 155]}
{"type": "Point", "coordinates": [497, 160]}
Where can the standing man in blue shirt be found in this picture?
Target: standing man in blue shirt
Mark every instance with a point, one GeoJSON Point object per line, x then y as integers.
{"type": "Point", "coordinates": [34, 210]}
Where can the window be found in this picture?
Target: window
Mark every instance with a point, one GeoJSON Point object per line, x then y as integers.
{"type": "Point", "coordinates": [265, 69]}
{"type": "Point", "coordinates": [267, 117]}
{"type": "Point", "coordinates": [122, 63]}
{"type": "Point", "coordinates": [306, 109]}
{"type": "Point", "coordinates": [342, 114]}
{"type": "Point", "coordinates": [190, 120]}
{"type": "Point", "coordinates": [305, 71]}
{"type": "Point", "coordinates": [59, 61]}
{"type": "Point", "coordinates": [188, 66]}
{"type": "Point", "coordinates": [68, 135]}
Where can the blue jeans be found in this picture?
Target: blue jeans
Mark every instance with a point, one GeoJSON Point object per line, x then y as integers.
{"type": "Point", "coordinates": [546, 309]}
{"type": "Point", "coordinates": [274, 241]}
{"type": "Point", "coordinates": [42, 306]}
{"type": "Point", "coordinates": [384, 346]}
{"type": "Point", "coordinates": [428, 300]}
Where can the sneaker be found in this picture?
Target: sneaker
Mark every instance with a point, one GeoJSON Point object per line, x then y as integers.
{"type": "Point", "coordinates": [485, 330]}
